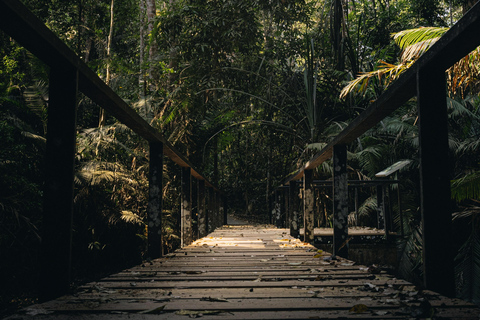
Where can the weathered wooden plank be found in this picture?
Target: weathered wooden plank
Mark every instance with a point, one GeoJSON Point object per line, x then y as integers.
{"type": "Point", "coordinates": [231, 305]}
{"type": "Point", "coordinates": [247, 284]}
{"type": "Point", "coordinates": [404, 313]}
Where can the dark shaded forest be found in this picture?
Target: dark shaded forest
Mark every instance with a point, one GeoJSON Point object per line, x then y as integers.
{"type": "Point", "coordinates": [248, 91]}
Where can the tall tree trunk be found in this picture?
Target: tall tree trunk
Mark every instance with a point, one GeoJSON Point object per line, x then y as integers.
{"type": "Point", "coordinates": [152, 52]}
{"type": "Point", "coordinates": [141, 77]}
{"type": "Point", "coordinates": [338, 35]}
{"type": "Point", "coordinates": [101, 121]}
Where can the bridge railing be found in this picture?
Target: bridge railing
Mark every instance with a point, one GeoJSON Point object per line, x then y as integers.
{"type": "Point", "coordinates": [424, 80]}
{"type": "Point", "coordinates": [68, 75]}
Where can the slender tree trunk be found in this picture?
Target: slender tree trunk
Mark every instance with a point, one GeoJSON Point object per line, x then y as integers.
{"type": "Point", "coordinates": [152, 52]}
{"type": "Point", "coordinates": [338, 34]}
{"type": "Point", "coordinates": [101, 121]}
{"type": "Point", "coordinates": [141, 76]}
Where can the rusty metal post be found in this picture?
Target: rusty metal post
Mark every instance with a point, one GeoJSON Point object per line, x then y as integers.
{"type": "Point", "coordinates": [56, 247]}
{"type": "Point", "coordinates": [186, 207]}
{"type": "Point", "coordinates": [308, 206]}
{"type": "Point", "coordinates": [294, 204]}
{"type": "Point", "coordinates": [155, 201]}
{"type": "Point", "coordinates": [202, 210]}
{"type": "Point", "coordinates": [340, 201]}
{"type": "Point", "coordinates": [435, 200]}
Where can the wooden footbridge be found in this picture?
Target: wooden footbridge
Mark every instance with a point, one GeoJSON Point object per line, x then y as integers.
{"type": "Point", "coordinates": [245, 272]}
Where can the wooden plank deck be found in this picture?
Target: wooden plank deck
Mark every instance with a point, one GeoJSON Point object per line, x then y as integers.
{"type": "Point", "coordinates": [245, 272]}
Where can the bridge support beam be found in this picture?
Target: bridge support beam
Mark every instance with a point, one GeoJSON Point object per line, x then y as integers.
{"type": "Point", "coordinates": [294, 204]}
{"type": "Point", "coordinates": [155, 201]}
{"type": "Point", "coordinates": [340, 201]}
{"type": "Point", "coordinates": [186, 207]}
{"type": "Point", "coordinates": [308, 206]}
{"type": "Point", "coordinates": [58, 193]}
{"type": "Point", "coordinates": [435, 201]}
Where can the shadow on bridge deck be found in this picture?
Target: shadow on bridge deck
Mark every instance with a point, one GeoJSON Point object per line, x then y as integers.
{"type": "Point", "coordinates": [246, 272]}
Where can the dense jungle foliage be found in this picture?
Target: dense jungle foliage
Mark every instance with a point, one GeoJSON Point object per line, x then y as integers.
{"type": "Point", "coordinates": [248, 91]}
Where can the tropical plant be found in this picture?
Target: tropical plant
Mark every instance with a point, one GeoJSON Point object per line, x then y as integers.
{"type": "Point", "coordinates": [462, 76]}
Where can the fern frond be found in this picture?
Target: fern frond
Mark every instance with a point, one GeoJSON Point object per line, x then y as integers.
{"type": "Point", "coordinates": [130, 217]}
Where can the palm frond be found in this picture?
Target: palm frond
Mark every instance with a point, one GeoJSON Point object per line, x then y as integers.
{"type": "Point", "coordinates": [407, 38]}
{"type": "Point", "coordinates": [414, 51]}
{"type": "Point", "coordinates": [413, 43]}
{"type": "Point", "coordinates": [467, 187]}
{"type": "Point", "coordinates": [366, 210]}
{"type": "Point", "coordinates": [467, 268]}
{"type": "Point", "coordinates": [385, 73]}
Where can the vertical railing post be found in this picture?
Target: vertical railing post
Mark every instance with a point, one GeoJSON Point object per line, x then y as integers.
{"type": "Point", "coordinates": [286, 196]}
{"type": "Point", "coordinates": [155, 203]}
{"type": "Point", "coordinates": [225, 210]}
{"type": "Point", "coordinates": [219, 209]}
{"type": "Point", "coordinates": [271, 208]}
{"type": "Point", "coordinates": [58, 194]}
{"type": "Point", "coordinates": [380, 208]}
{"type": "Point", "coordinates": [340, 201]}
{"type": "Point", "coordinates": [308, 206]}
{"type": "Point", "coordinates": [211, 210]}
{"type": "Point", "coordinates": [293, 209]}
{"type": "Point", "coordinates": [356, 206]}
{"type": "Point", "coordinates": [214, 210]}
{"type": "Point", "coordinates": [281, 200]}
{"type": "Point", "coordinates": [202, 210]}
{"type": "Point", "coordinates": [194, 209]}
{"type": "Point", "coordinates": [186, 207]}
{"type": "Point", "coordinates": [435, 201]}
{"type": "Point", "coordinates": [278, 208]}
